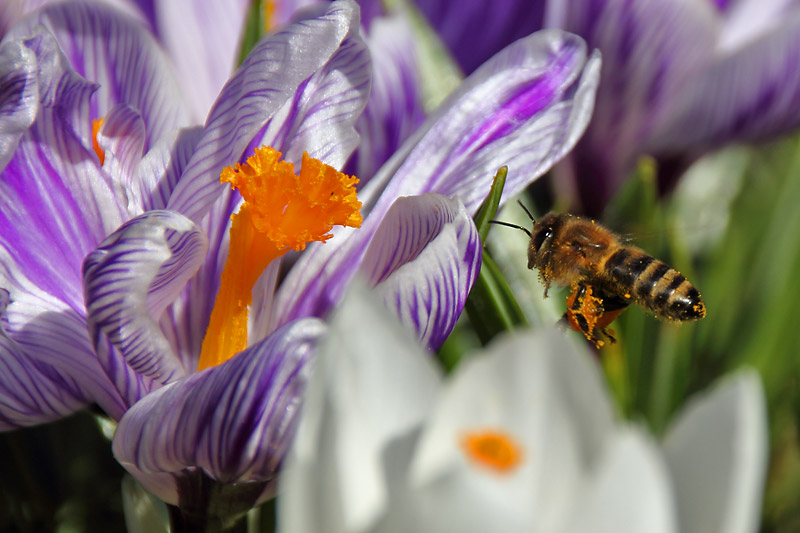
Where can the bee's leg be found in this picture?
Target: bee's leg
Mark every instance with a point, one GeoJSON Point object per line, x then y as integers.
{"type": "Point", "coordinates": [583, 311]}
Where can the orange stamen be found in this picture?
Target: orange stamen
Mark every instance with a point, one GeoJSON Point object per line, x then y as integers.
{"type": "Point", "coordinates": [281, 211]}
{"type": "Point", "coordinates": [495, 450]}
{"type": "Point", "coordinates": [99, 151]}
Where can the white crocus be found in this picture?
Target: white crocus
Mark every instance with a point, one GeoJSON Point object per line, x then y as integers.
{"type": "Point", "coordinates": [521, 438]}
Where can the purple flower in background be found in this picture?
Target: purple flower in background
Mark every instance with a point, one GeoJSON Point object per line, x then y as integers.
{"type": "Point", "coordinates": [679, 77]}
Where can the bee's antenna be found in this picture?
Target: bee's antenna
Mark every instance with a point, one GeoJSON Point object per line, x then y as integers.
{"type": "Point", "coordinates": [501, 223]}
{"type": "Point", "coordinates": [526, 211]}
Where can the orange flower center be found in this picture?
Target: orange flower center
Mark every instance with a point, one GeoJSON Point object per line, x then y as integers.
{"type": "Point", "coordinates": [281, 211]}
{"type": "Point", "coordinates": [99, 151]}
{"type": "Point", "coordinates": [495, 450]}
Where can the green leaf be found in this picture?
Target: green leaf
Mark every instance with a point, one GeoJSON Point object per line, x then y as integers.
{"type": "Point", "coordinates": [491, 306]}
{"type": "Point", "coordinates": [254, 28]}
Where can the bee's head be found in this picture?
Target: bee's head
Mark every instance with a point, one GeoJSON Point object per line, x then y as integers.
{"type": "Point", "coordinates": [541, 240]}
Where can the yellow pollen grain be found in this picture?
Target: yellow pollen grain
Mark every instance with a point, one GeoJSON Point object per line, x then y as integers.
{"type": "Point", "coordinates": [281, 211]}
{"type": "Point", "coordinates": [492, 449]}
{"type": "Point", "coordinates": [95, 129]}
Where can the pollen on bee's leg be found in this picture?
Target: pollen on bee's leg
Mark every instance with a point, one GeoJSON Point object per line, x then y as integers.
{"type": "Point", "coordinates": [492, 449]}
{"type": "Point", "coordinates": [281, 211]}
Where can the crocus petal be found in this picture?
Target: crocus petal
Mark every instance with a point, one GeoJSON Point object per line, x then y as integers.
{"type": "Point", "coordinates": [55, 203]}
{"type": "Point", "coordinates": [109, 48]}
{"type": "Point", "coordinates": [550, 398]}
{"type": "Point", "coordinates": [629, 491]}
{"type": "Point", "coordinates": [19, 96]}
{"type": "Point", "coordinates": [524, 108]}
{"type": "Point", "coordinates": [746, 94]}
{"type": "Point", "coordinates": [717, 453]}
{"type": "Point", "coordinates": [395, 108]}
{"type": "Point", "coordinates": [359, 399]}
{"type": "Point", "coordinates": [266, 81]}
{"type": "Point", "coordinates": [423, 261]}
{"type": "Point", "coordinates": [650, 50]}
{"type": "Point", "coordinates": [128, 282]}
{"type": "Point", "coordinates": [31, 392]}
{"type": "Point", "coordinates": [235, 420]}
{"type": "Point", "coordinates": [203, 46]}
{"type": "Point", "coordinates": [474, 31]}
{"type": "Point", "coordinates": [320, 118]}
{"type": "Point", "coordinates": [122, 139]}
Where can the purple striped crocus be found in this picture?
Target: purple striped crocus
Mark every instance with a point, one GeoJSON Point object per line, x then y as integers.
{"type": "Point", "coordinates": [679, 78]}
{"type": "Point", "coordinates": [152, 222]}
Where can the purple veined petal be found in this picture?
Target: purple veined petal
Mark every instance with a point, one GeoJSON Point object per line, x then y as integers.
{"type": "Point", "coordinates": [717, 452]}
{"type": "Point", "coordinates": [110, 48]}
{"type": "Point", "coordinates": [266, 80]}
{"type": "Point", "coordinates": [746, 94]}
{"type": "Point", "coordinates": [122, 138]}
{"type": "Point", "coordinates": [475, 31]}
{"type": "Point", "coordinates": [320, 117]}
{"type": "Point", "coordinates": [395, 109]}
{"type": "Point", "coordinates": [235, 421]}
{"type": "Point", "coordinates": [55, 203]}
{"type": "Point", "coordinates": [128, 282]}
{"type": "Point", "coordinates": [746, 20]}
{"type": "Point", "coordinates": [204, 46]}
{"type": "Point", "coordinates": [161, 167]}
{"type": "Point", "coordinates": [19, 96]}
{"type": "Point", "coordinates": [423, 261]}
{"type": "Point", "coordinates": [650, 51]}
{"type": "Point", "coordinates": [525, 108]}
{"type": "Point", "coordinates": [48, 331]}
{"type": "Point", "coordinates": [185, 321]}
{"type": "Point", "coordinates": [31, 392]}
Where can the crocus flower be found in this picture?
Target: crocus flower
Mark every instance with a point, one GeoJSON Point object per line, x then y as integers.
{"type": "Point", "coordinates": [522, 437]}
{"type": "Point", "coordinates": [197, 437]}
{"type": "Point", "coordinates": [142, 326]}
{"type": "Point", "coordinates": [58, 200]}
{"type": "Point", "coordinates": [679, 78]}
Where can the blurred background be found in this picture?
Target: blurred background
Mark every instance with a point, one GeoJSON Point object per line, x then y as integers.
{"type": "Point", "coordinates": [725, 213]}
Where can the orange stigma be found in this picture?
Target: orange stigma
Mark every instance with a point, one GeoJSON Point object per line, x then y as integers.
{"type": "Point", "coordinates": [281, 212]}
{"type": "Point", "coordinates": [99, 151]}
{"type": "Point", "coordinates": [492, 449]}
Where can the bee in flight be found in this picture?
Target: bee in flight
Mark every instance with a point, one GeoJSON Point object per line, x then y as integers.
{"type": "Point", "coordinates": [605, 276]}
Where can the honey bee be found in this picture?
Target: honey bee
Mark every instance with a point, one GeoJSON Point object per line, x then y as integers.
{"type": "Point", "coordinates": [605, 276]}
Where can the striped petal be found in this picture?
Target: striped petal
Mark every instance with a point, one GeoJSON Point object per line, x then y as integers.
{"type": "Point", "coordinates": [423, 262]}
{"type": "Point", "coordinates": [19, 96]}
{"type": "Point", "coordinates": [55, 203]}
{"type": "Point", "coordinates": [111, 49]}
{"type": "Point", "coordinates": [497, 23]}
{"type": "Point", "coordinates": [651, 49]}
{"type": "Point", "coordinates": [717, 451]}
{"type": "Point", "coordinates": [259, 92]}
{"type": "Point", "coordinates": [395, 109]}
{"type": "Point", "coordinates": [746, 94]}
{"type": "Point", "coordinates": [122, 138]}
{"type": "Point", "coordinates": [128, 283]}
{"type": "Point", "coordinates": [320, 117]}
{"type": "Point", "coordinates": [31, 392]}
{"type": "Point", "coordinates": [525, 108]}
{"type": "Point", "coordinates": [203, 46]}
{"type": "Point", "coordinates": [234, 421]}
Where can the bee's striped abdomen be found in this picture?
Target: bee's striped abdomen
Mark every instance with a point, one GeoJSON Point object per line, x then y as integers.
{"type": "Point", "coordinates": [654, 285]}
